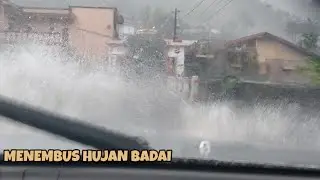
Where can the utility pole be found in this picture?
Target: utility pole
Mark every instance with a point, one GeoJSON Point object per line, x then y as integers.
{"type": "Point", "coordinates": [176, 11]}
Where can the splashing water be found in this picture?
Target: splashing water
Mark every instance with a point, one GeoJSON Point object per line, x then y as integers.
{"type": "Point", "coordinates": [36, 75]}
{"type": "Point", "coordinates": [277, 125]}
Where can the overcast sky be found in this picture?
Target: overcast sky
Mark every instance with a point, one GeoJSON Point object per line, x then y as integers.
{"type": "Point", "coordinates": [249, 16]}
{"type": "Point", "coordinates": [242, 16]}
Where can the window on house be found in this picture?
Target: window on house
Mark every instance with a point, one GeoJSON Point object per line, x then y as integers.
{"type": "Point", "coordinates": [288, 66]}
{"type": "Point", "coordinates": [251, 43]}
{"type": "Point", "coordinates": [235, 60]}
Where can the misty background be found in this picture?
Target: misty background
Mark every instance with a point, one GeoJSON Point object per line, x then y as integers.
{"type": "Point", "coordinates": [238, 18]}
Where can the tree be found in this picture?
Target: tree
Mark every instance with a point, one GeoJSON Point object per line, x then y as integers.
{"type": "Point", "coordinates": [145, 55]}
{"type": "Point", "coordinates": [309, 37]}
{"type": "Point", "coordinates": [308, 31]}
{"type": "Point", "coordinates": [313, 69]}
{"type": "Point", "coordinates": [309, 41]}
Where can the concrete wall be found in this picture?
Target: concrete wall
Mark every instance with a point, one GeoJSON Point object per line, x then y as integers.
{"type": "Point", "coordinates": [92, 29]}
{"type": "Point", "coordinates": [251, 93]}
{"type": "Point", "coordinates": [307, 97]}
{"type": "Point", "coordinates": [179, 58]}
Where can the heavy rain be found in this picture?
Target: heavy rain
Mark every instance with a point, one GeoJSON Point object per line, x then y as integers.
{"type": "Point", "coordinates": [157, 70]}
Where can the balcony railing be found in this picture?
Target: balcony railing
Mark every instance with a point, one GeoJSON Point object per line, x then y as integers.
{"type": "Point", "coordinates": [49, 38]}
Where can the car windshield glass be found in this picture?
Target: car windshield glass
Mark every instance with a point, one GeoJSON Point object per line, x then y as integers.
{"type": "Point", "coordinates": [24, 137]}
{"type": "Point", "coordinates": [226, 80]}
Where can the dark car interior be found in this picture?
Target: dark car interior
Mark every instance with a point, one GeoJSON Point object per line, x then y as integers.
{"type": "Point", "coordinates": [100, 138]}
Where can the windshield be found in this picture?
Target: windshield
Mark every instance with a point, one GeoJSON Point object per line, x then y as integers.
{"type": "Point", "coordinates": [242, 75]}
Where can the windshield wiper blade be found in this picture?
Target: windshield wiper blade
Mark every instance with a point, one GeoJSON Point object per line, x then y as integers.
{"type": "Point", "coordinates": [68, 128]}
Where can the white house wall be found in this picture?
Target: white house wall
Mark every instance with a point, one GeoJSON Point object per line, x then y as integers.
{"type": "Point", "coordinates": [179, 68]}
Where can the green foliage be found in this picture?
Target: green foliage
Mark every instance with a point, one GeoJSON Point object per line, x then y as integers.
{"type": "Point", "coordinates": [230, 82]}
{"type": "Point", "coordinates": [309, 40]}
{"type": "Point", "coordinates": [313, 70]}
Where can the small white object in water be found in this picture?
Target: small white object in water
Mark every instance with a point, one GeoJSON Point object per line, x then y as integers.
{"type": "Point", "coordinates": [205, 148]}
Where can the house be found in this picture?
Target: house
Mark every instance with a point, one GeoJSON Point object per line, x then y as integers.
{"type": "Point", "coordinates": [274, 58]}
{"type": "Point", "coordinates": [93, 29]}
{"type": "Point", "coordinates": [24, 23]}
{"type": "Point", "coordinates": [176, 55]}
{"type": "Point", "coordinates": [268, 66]}
{"type": "Point", "coordinates": [87, 29]}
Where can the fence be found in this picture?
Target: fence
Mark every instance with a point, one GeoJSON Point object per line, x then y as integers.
{"type": "Point", "coordinates": [251, 92]}
{"type": "Point", "coordinates": [185, 87]}
{"type": "Point", "coordinates": [54, 38]}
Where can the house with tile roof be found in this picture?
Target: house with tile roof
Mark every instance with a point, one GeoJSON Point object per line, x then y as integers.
{"type": "Point", "coordinates": [260, 58]}
{"type": "Point", "coordinates": [277, 59]}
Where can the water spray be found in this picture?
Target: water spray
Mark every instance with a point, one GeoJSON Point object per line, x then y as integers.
{"type": "Point", "coordinates": [205, 149]}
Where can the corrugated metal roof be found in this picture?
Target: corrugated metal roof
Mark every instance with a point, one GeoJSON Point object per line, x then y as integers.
{"type": "Point", "coordinates": [61, 4]}
{"type": "Point", "coordinates": [57, 4]}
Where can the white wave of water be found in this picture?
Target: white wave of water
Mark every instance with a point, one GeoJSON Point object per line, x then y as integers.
{"type": "Point", "coordinates": [35, 75]}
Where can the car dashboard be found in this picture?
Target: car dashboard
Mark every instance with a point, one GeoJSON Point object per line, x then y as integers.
{"type": "Point", "coordinates": [69, 173]}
